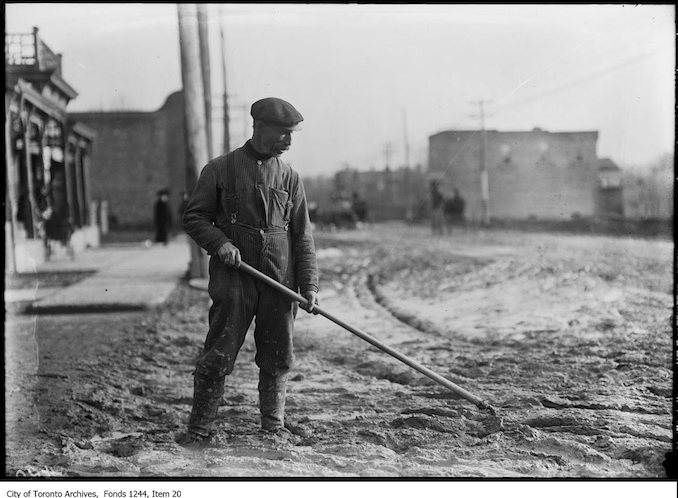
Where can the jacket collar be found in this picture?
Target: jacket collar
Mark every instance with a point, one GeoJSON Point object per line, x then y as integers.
{"type": "Point", "coordinates": [253, 152]}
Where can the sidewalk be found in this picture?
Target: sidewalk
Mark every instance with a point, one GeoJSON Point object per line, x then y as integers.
{"type": "Point", "coordinates": [127, 277]}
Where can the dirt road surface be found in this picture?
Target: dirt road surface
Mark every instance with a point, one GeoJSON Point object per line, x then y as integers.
{"type": "Point", "coordinates": [569, 337]}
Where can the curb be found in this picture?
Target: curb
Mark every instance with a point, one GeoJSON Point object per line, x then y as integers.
{"type": "Point", "coordinates": [73, 309]}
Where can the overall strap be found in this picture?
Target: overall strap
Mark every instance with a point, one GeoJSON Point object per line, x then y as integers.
{"type": "Point", "coordinates": [231, 189]}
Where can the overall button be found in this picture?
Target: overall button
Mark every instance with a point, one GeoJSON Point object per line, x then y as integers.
{"type": "Point", "coordinates": [259, 163]}
{"type": "Point", "coordinates": [261, 231]}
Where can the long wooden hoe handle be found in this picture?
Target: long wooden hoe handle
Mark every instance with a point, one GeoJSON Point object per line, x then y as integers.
{"type": "Point", "coordinates": [366, 337]}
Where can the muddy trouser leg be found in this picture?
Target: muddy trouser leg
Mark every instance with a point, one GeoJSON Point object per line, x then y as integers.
{"type": "Point", "coordinates": [272, 392]}
{"type": "Point", "coordinates": [273, 336]}
{"type": "Point", "coordinates": [234, 299]}
{"type": "Point", "coordinates": [207, 393]}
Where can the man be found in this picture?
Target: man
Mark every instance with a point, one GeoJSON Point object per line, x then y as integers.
{"type": "Point", "coordinates": [360, 208]}
{"type": "Point", "coordinates": [454, 211]}
{"type": "Point", "coordinates": [162, 217]}
{"type": "Point", "coordinates": [248, 205]}
{"type": "Point", "coordinates": [437, 214]}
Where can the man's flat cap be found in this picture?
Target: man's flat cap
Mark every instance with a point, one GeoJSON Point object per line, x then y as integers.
{"type": "Point", "coordinates": [278, 112]}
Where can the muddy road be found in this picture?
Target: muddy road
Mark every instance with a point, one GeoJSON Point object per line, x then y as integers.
{"type": "Point", "coordinates": [568, 337]}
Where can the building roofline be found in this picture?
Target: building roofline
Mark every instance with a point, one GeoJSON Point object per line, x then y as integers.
{"type": "Point", "coordinates": [30, 75]}
{"type": "Point", "coordinates": [59, 82]}
{"type": "Point", "coordinates": [518, 132]}
{"type": "Point", "coordinates": [29, 93]}
{"type": "Point", "coordinates": [116, 113]}
{"type": "Point", "coordinates": [82, 130]}
{"type": "Point", "coordinates": [605, 163]}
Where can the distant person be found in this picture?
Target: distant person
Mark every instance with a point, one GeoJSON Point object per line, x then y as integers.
{"type": "Point", "coordinates": [360, 208]}
{"type": "Point", "coordinates": [56, 224]}
{"type": "Point", "coordinates": [162, 217]}
{"type": "Point", "coordinates": [437, 210]}
{"type": "Point", "coordinates": [24, 211]}
{"type": "Point", "coordinates": [250, 206]}
{"type": "Point", "coordinates": [59, 228]}
{"type": "Point", "coordinates": [313, 211]}
{"type": "Point", "coordinates": [454, 211]}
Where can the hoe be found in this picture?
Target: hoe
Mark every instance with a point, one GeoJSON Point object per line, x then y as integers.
{"type": "Point", "coordinates": [387, 349]}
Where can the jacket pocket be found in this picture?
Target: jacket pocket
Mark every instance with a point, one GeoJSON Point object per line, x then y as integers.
{"type": "Point", "coordinates": [278, 207]}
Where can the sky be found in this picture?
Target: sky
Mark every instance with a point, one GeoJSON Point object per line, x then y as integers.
{"type": "Point", "coordinates": [374, 81]}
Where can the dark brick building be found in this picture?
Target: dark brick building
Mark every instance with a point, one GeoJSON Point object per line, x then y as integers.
{"type": "Point", "coordinates": [138, 154]}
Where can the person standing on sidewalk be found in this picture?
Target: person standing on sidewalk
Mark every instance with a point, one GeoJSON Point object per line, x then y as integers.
{"type": "Point", "coordinates": [437, 213]}
{"type": "Point", "coordinates": [454, 211]}
{"type": "Point", "coordinates": [248, 205]}
{"type": "Point", "coordinates": [162, 217]}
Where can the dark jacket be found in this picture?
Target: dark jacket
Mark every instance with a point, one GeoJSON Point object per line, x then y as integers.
{"type": "Point", "coordinates": [272, 228]}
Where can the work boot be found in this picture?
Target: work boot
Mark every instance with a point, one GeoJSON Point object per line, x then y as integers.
{"type": "Point", "coordinates": [191, 440]}
{"type": "Point", "coordinates": [207, 393]}
{"type": "Point", "coordinates": [272, 392]}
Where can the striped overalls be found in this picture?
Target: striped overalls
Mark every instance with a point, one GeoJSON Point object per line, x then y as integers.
{"type": "Point", "coordinates": [259, 206]}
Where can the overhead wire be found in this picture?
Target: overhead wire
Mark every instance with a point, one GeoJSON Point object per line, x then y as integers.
{"type": "Point", "coordinates": [577, 82]}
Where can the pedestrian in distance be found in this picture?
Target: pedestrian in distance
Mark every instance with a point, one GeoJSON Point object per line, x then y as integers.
{"type": "Point", "coordinates": [437, 206]}
{"type": "Point", "coordinates": [162, 217]}
{"type": "Point", "coordinates": [360, 208]}
{"type": "Point", "coordinates": [250, 206]}
{"type": "Point", "coordinates": [55, 225]}
{"type": "Point", "coordinates": [454, 211]}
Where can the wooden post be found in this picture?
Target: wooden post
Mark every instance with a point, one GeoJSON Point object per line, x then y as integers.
{"type": "Point", "coordinates": [79, 193]}
{"type": "Point", "coordinates": [33, 232]}
{"type": "Point", "coordinates": [227, 132]}
{"type": "Point", "coordinates": [203, 36]}
{"type": "Point", "coordinates": [10, 190]}
{"type": "Point", "coordinates": [70, 174]}
{"type": "Point", "coordinates": [484, 179]}
{"type": "Point", "coordinates": [86, 182]}
{"type": "Point", "coordinates": [194, 110]}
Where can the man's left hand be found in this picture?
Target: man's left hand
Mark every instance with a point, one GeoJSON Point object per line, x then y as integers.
{"type": "Point", "coordinates": [312, 300]}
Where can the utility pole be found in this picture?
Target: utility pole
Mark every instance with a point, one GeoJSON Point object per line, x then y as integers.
{"type": "Point", "coordinates": [388, 150]}
{"type": "Point", "coordinates": [244, 109]}
{"type": "Point", "coordinates": [195, 119]}
{"type": "Point", "coordinates": [407, 140]}
{"type": "Point", "coordinates": [227, 133]}
{"type": "Point", "coordinates": [484, 181]}
{"type": "Point", "coordinates": [203, 36]}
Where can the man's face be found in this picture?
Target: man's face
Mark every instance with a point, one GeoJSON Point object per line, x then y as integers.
{"type": "Point", "coordinates": [274, 140]}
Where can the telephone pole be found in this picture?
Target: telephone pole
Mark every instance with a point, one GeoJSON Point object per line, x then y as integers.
{"type": "Point", "coordinates": [388, 150]}
{"type": "Point", "coordinates": [195, 115]}
{"type": "Point", "coordinates": [227, 132]}
{"type": "Point", "coordinates": [484, 180]}
{"type": "Point", "coordinates": [203, 36]}
{"type": "Point", "coordinates": [407, 140]}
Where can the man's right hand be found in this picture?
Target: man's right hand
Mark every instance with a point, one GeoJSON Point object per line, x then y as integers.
{"type": "Point", "coordinates": [229, 255]}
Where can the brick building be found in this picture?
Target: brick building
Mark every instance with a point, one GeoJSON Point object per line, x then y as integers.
{"type": "Point", "coordinates": [649, 195]}
{"type": "Point", "coordinates": [48, 203]}
{"type": "Point", "coordinates": [390, 194]}
{"type": "Point", "coordinates": [534, 174]}
{"type": "Point", "coordinates": [137, 154]}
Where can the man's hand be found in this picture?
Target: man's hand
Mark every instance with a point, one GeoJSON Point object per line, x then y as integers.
{"type": "Point", "coordinates": [312, 299]}
{"type": "Point", "coordinates": [229, 255]}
